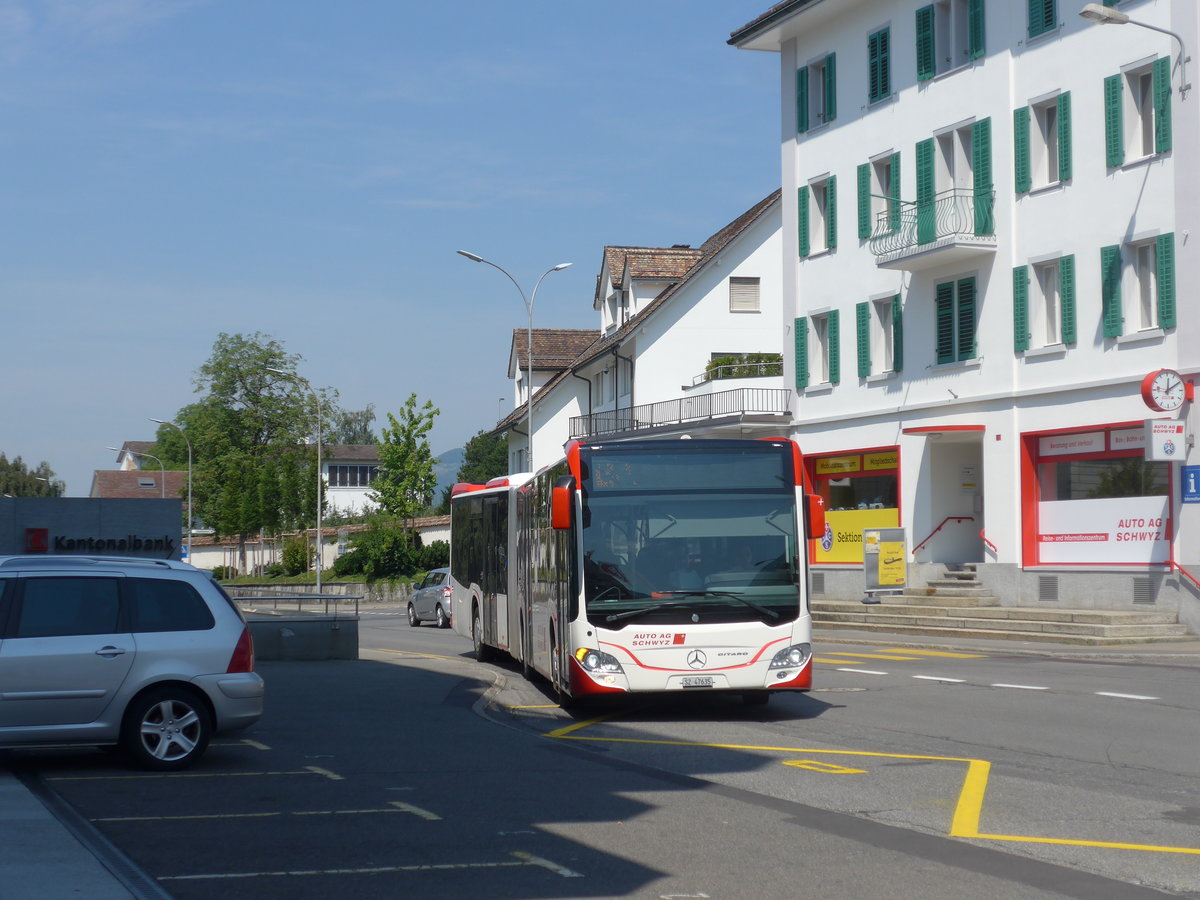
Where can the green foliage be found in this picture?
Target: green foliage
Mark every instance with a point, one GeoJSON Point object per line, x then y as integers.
{"type": "Point", "coordinates": [485, 457]}
{"type": "Point", "coordinates": [384, 550]}
{"type": "Point", "coordinates": [1130, 477]}
{"type": "Point", "coordinates": [744, 365]}
{"type": "Point", "coordinates": [353, 426]}
{"type": "Point", "coordinates": [18, 480]}
{"type": "Point", "coordinates": [296, 556]}
{"type": "Point", "coordinates": [406, 481]}
{"type": "Point", "coordinates": [222, 572]}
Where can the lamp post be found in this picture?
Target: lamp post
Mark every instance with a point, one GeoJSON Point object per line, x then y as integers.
{"type": "Point", "coordinates": [528, 301]}
{"type": "Point", "coordinates": [1103, 15]}
{"type": "Point", "coordinates": [320, 477]}
{"type": "Point", "coordinates": [190, 521]}
{"type": "Point", "coordinates": [162, 483]}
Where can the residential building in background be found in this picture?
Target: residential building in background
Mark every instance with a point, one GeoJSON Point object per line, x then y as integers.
{"type": "Point", "coordinates": [986, 213]}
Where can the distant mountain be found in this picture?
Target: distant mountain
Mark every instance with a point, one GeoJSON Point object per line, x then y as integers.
{"type": "Point", "coordinates": [446, 467]}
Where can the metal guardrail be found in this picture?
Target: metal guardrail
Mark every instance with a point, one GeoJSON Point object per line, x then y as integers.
{"type": "Point", "coordinates": [958, 212]}
{"type": "Point", "coordinates": [249, 603]}
{"type": "Point", "coordinates": [770, 401]}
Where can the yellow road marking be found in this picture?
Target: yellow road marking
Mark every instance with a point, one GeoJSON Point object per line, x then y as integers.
{"type": "Point", "coordinates": [866, 655]}
{"type": "Point", "coordinates": [965, 822]}
{"type": "Point", "coordinates": [410, 653]}
{"type": "Point", "coordinates": [828, 768]}
{"type": "Point", "coordinates": [536, 706]}
{"type": "Point", "coordinates": [939, 653]}
{"type": "Point", "coordinates": [838, 662]}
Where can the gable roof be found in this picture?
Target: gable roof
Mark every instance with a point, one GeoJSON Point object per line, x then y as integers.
{"type": "Point", "coordinates": [146, 484]}
{"type": "Point", "coordinates": [646, 263]}
{"type": "Point", "coordinates": [553, 348]}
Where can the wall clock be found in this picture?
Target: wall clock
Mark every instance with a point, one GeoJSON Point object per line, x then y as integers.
{"type": "Point", "coordinates": [1164, 390]}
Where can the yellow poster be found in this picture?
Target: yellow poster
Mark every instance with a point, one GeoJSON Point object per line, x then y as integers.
{"type": "Point", "coordinates": [885, 459]}
{"type": "Point", "coordinates": [838, 465]}
{"type": "Point", "coordinates": [892, 568]}
{"type": "Point", "coordinates": [842, 542]}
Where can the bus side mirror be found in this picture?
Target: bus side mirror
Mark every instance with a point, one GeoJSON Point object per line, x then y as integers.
{"type": "Point", "coordinates": [814, 509]}
{"type": "Point", "coordinates": [562, 499]}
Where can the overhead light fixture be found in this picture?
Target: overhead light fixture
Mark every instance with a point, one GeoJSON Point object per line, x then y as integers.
{"type": "Point", "coordinates": [1104, 15]}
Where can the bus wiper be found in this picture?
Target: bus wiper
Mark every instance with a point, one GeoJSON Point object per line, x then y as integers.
{"type": "Point", "coordinates": [774, 614]}
{"type": "Point", "coordinates": [642, 610]}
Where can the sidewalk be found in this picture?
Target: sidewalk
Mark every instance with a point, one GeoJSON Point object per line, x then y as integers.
{"type": "Point", "coordinates": [42, 859]}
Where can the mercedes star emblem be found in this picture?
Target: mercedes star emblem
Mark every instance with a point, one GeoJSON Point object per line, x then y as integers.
{"type": "Point", "coordinates": [697, 660]}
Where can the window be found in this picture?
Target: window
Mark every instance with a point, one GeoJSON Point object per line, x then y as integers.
{"type": "Point", "coordinates": [955, 168]}
{"type": "Point", "coordinates": [1138, 285]}
{"type": "Point", "coordinates": [880, 336]}
{"type": "Point", "coordinates": [52, 607]}
{"type": "Point", "coordinates": [743, 294]}
{"type": "Point", "coordinates": [1042, 143]}
{"type": "Point", "coordinates": [1137, 112]}
{"type": "Point", "coordinates": [879, 196]}
{"type": "Point", "coordinates": [816, 93]}
{"type": "Point", "coordinates": [1044, 303]}
{"type": "Point", "coordinates": [879, 65]}
{"type": "Point", "coordinates": [949, 34]}
{"type": "Point", "coordinates": [955, 320]}
{"type": "Point", "coordinates": [817, 339]}
{"type": "Point", "coordinates": [352, 475]}
{"type": "Point", "coordinates": [160, 605]}
{"type": "Point", "coordinates": [1043, 16]}
{"type": "Point", "coordinates": [817, 215]}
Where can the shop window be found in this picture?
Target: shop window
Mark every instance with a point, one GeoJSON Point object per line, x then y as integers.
{"type": "Point", "coordinates": [1098, 479]}
{"type": "Point", "coordinates": [861, 490]}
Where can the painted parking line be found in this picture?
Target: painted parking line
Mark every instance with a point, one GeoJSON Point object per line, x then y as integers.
{"type": "Point", "coordinates": [520, 859]}
{"type": "Point", "coordinates": [967, 810]}
{"type": "Point", "coordinates": [307, 770]}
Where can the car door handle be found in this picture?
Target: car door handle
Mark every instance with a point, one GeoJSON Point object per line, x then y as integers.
{"type": "Point", "coordinates": [110, 651]}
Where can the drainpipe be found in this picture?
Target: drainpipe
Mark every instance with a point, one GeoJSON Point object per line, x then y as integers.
{"type": "Point", "coordinates": [629, 360]}
{"type": "Point", "coordinates": [588, 382]}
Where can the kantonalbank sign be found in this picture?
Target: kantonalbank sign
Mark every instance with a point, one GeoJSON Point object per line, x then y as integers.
{"type": "Point", "coordinates": [39, 540]}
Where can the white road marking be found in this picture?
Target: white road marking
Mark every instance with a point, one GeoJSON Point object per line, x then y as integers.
{"type": "Point", "coordinates": [522, 859]}
{"type": "Point", "coordinates": [1124, 696]}
{"type": "Point", "coordinates": [939, 678]}
{"type": "Point", "coordinates": [863, 671]}
{"type": "Point", "coordinates": [416, 811]}
{"type": "Point", "coordinates": [1021, 687]}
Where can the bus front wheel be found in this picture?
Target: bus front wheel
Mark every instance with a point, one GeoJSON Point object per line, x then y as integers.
{"type": "Point", "coordinates": [482, 651]}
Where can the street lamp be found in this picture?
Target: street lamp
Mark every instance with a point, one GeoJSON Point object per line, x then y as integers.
{"type": "Point", "coordinates": [1103, 15]}
{"type": "Point", "coordinates": [529, 334]}
{"type": "Point", "coordinates": [191, 523]}
{"type": "Point", "coordinates": [162, 484]}
{"type": "Point", "coordinates": [320, 478]}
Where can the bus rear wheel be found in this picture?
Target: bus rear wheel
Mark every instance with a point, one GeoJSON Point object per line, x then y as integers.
{"type": "Point", "coordinates": [483, 652]}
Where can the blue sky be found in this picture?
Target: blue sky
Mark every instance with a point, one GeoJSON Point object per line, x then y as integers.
{"type": "Point", "coordinates": [172, 169]}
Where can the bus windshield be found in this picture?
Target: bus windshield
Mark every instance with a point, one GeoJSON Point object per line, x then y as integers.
{"type": "Point", "coordinates": [665, 545]}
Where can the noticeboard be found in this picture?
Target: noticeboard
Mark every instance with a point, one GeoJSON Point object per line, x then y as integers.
{"type": "Point", "coordinates": [885, 556]}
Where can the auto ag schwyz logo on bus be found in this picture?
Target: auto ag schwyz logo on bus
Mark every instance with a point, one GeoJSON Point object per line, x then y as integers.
{"type": "Point", "coordinates": [697, 660]}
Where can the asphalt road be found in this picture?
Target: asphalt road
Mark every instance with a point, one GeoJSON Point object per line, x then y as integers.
{"type": "Point", "coordinates": [416, 771]}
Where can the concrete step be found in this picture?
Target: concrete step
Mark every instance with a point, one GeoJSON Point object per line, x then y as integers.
{"type": "Point", "coordinates": [885, 621]}
{"type": "Point", "coordinates": [927, 600]}
{"type": "Point", "coordinates": [1036, 614]}
{"type": "Point", "coordinates": [996, 634]}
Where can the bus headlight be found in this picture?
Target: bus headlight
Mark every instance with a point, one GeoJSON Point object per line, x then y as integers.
{"type": "Point", "coordinates": [596, 662]}
{"type": "Point", "coordinates": [792, 657]}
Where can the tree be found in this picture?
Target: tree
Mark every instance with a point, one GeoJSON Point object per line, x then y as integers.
{"type": "Point", "coordinates": [353, 426]}
{"type": "Point", "coordinates": [18, 480]}
{"type": "Point", "coordinates": [406, 481]}
{"type": "Point", "coordinates": [254, 459]}
{"type": "Point", "coordinates": [485, 457]}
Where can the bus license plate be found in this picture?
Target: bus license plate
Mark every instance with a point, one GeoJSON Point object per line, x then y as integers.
{"type": "Point", "coordinates": [698, 681]}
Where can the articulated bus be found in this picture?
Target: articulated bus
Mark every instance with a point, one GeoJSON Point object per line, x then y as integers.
{"type": "Point", "coordinates": [643, 566]}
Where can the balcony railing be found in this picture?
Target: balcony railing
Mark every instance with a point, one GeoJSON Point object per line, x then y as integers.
{"type": "Point", "coordinates": [740, 370]}
{"type": "Point", "coordinates": [959, 213]}
{"type": "Point", "coordinates": [741, 401]}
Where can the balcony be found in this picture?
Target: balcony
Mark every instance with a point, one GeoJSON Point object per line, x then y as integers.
{"type": "Point", "coordinates": [952, 226]}
{"type": "Point", "coordinates": [723, 409]}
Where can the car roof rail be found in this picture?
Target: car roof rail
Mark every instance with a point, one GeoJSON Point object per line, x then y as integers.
{"type": "Point", "coordinates": [59, 560]}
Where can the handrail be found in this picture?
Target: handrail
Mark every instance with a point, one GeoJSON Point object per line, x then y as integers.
{"type": "Point", "coordinates": [983, 538]}
{"type": "Point", "coordinates": [939, 528]}
{"type": "Point", "coordinates": [299, 599]}
{"type": "Point", "coordinates": [1186, 574]}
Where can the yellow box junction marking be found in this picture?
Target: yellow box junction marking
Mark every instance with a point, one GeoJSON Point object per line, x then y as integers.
{"type": "Point", "coordinates": [965, 822]}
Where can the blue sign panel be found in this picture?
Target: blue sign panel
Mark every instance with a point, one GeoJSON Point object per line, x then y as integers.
{"type": "Point", "coordinates": [1190, 484]}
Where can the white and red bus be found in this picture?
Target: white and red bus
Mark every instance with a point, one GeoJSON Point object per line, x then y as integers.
{"type": "Point", "coordinates": [643, 566]}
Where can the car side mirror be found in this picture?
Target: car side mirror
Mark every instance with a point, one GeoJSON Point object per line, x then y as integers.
{"type": "Point", "coordinates": [562, 500]}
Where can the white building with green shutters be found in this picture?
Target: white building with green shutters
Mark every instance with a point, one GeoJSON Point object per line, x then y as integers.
{"type": "Point", "coordinates": [991, 207]}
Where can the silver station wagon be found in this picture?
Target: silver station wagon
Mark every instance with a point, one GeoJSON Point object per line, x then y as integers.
{"type": "Point", "coordinates": [149, 655]}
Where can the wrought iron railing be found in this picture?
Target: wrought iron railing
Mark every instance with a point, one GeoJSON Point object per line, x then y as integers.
{"type": "Point", "coordinates": [740, 401]}
{"type": "Point", "coordinates": [958, 212]}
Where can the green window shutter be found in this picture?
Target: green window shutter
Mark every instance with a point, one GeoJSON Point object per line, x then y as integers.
{"type": "Point", "coordinates": [1066, 293]}
{"type": "Point", "coordinates": [1110, 290]}
{"type": "Point", "coordinates": [835, 348]}
{"type": "Point", "coordinates": [1114, 126]}
{"type": "Point", "coordinates": [1020, 308]}
{"type": "Point", "coordinates": [944, 319]}
{"type": "Point", "coordinates": [975, 29]}
{"type": "Point", "coordinates": [1164, 253]}
{"type": "Point", "coordinates": [830, 87]}
{"type": "Point", "coordinates": [864, 200]}
{"type": "Point", "coordinates": [981, 151]}
{"type": "Point", "coordinates": [862, 325]}
{"type": "Point", "coordinates": [801, 343]}
{"type": "Point", "coordinates": [831, 212]}
{"type": "Point", "coordinates": [1064, 136]}
{"type": "Point", "coordinates": [894, 206]}
{"type": "Point", "coordinates": [879, 78]}
{"type": "Point", "coordinates": [926, 62]}
{"type": "Point", "coordinates": [897, 335]}
{"type": "Point", "coordinates": [966, 318]}
{"type": "Point", "coordinates": [1162, 104]}
{"type": "Point", "coordinates": [802, 99]}
{"type": "Point", "coordinates": [1043, 17]}
{"type": "Point", "coordinates": [926, 214]}
{"type": "Point", "coordinates": [802, 219]}
{"type": "Point", "coordinates": [1021, 174]}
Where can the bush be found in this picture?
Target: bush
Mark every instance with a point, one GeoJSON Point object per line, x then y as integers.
{"type": "Point", "coordinates": [222, 572]}
{"type": "Point", "coordinates": [385, 550]}
{"type": "Point", "coordinates": [296, 555]}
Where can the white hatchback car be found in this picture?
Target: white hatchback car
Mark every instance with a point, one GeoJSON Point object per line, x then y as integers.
{"type": "Point", "coordinates": [150, 655]}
